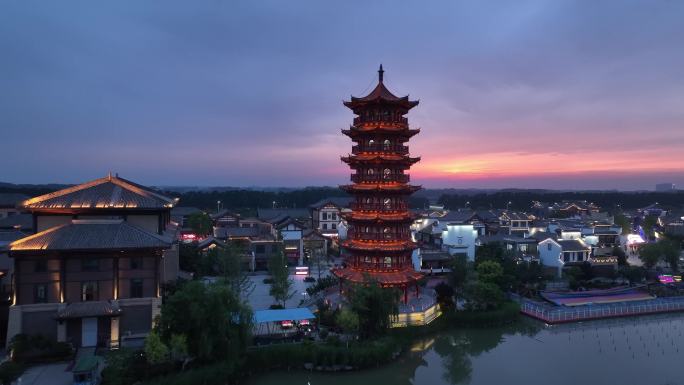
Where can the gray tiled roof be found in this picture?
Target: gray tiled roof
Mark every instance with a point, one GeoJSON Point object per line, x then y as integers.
{"type": "Point", "coordinates": [341, 202]}
{"type": "Point", "coordinates": [573, 245]}
{"type": "Point", "coordinates": [107, 192]}
{"type": "Point", "coordinates": [92, 235]}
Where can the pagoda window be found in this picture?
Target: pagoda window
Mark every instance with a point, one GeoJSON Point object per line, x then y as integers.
{"type": "Point", "coordinates": [388, 203]}
{"type": "Point", "coordinates": [387, 173]}
{"type": "Point", "coordinates": [371, 143]}
{"type": "Point", "coordinates": [386, 144]}
{"type": "Point", "coordinates": [370, 171]}
{"type": "Point", "coordinates": [388, 262]}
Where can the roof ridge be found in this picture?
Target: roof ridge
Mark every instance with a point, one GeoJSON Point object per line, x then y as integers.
{"type": "Point", "coordinates": [40, 233]}
{"type": "Point", "coordinates": [65, 191]}
{"type": "Point", "coordinates": [121, 182]}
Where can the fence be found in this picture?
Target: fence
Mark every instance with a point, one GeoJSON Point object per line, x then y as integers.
{"type": "Point", "coordinates": [560, 314]}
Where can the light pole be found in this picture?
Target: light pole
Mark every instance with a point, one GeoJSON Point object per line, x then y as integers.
{"type": "Point", "coordinates": [218, 206]}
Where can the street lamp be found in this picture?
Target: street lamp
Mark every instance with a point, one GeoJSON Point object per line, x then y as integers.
{"type": "Point", "coordinates": [218, 206]}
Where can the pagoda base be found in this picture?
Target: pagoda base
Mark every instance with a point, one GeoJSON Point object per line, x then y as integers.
{"type": "Point", "coordinates": [398, 279]}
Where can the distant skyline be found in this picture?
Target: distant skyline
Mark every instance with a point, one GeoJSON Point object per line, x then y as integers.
{"type": "Point", "coordinates": [525, 94]}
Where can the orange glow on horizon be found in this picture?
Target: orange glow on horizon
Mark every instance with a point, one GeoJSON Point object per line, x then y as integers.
{"type": "Point", "coordinates": [513, 164]}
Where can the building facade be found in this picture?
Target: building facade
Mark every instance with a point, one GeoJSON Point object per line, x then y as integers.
{"type": "Point", "coordinates": [92, 273]}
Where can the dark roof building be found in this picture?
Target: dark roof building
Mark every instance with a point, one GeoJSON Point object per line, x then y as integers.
{"type": "Point", "coordinates": [110, 192]}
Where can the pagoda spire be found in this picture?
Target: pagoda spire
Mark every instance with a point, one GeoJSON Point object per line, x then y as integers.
{"type": "Point", "coordinates": [380, 73]}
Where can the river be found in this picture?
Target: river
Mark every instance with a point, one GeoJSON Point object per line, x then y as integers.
{"type": "Point", "coordinates": [640, 351]}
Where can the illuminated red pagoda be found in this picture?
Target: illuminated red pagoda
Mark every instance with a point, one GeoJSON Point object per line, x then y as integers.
{"type": "Point", "coordinates": [378, 245]}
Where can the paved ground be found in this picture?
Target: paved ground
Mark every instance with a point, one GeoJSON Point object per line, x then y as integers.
{"type": "Point", "coordinates": [260, 299]}
{"type": "Point", "coordinates": [53, 374]}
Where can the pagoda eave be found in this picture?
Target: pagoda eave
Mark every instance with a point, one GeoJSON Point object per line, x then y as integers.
{"type": "Point", "coordinates": [390, 278]}
{"type": "Point", "coordinates": [402, 189]}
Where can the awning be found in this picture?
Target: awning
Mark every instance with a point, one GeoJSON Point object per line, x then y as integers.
{"type": "Point", "coordinates": [276, 315]}
{"type": "Point", "coordinates": [89, 309]}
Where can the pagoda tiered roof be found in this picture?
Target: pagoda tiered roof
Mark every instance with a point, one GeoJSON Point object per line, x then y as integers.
{"type": "Point", "coordinates": [379, 158]}
{"type": "Point", "coordinates": [355, 131]}
{"type": "Point", "coordinates": [379, 187]}
{"type": "Point", "coordinates": [378, 245]}
{"type": "Point", "coordinates": [393, 278]}
{"type": "Point", "coordinates": [379, 216]}
{"type": "Point", "coordinates": [381, 94]}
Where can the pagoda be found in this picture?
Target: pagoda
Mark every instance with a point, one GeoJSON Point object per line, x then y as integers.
{"type": "Point", "coordinates": [379, 245]}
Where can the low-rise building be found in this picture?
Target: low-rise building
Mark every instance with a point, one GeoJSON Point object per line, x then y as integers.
{"type": "Point", "coordinates": [559, 253]}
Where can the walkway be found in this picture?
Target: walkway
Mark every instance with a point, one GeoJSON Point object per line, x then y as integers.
{"type": "Point", "coordinates": [559, 314]}
{"type": "Point", "coordinates": [52, 374]}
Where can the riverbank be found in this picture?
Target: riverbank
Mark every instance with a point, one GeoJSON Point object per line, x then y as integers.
{"type": "Point", "coordinates": [628, 351]}
{"type": "Point", "coordinates": [335, 355]}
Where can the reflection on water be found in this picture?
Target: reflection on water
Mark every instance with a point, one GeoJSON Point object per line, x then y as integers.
{"type": "Point", "coordinates": [643, 350]}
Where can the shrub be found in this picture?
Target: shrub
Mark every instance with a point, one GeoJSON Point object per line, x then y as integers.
{"type": "Point", "coordinates": [38, 348]}
{"type": "Point", "coordinates": [9, 371]}
{"type": "Point", "coordinates": [322, 284]}
{"type": "Point", "coordinates": [276, 306]}
{"type": "Point", "coordinates": [309, 279]}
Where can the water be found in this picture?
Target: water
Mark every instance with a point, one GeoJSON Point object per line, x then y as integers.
{"type": "Point", "coordinates": [640, 351]}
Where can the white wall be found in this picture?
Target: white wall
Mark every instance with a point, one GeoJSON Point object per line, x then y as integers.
{"type": "Point", "coordinates": [147, 222]}
{"type": "Point", "coordinates": [550, 256]}
{"type": "Point", "coordinates": [460, 238]}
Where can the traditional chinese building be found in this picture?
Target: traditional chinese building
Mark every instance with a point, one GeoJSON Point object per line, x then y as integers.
{"type": "Point", "coordinates": [378, 245]}
{"type": "Point", "coordinates": [92, 273]}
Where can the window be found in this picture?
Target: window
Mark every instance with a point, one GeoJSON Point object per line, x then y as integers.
{"type": "Point", "coordinates": [41, 293]}
{"type": "Point", "coordinates": [566, 257]}
{"type": "Point", "coordinates": [387, 173]}
{"type": "Point", "coordinates": [333, 226]}
{"type": "Point", "coordinates": [135, 263]}
{"type": "Point", "coordinates": [89, 291]}
{"type": "Point", "coordinates": [334, 216]}
{"type": "Point", "coordinates": [386, 145]}
{"type": "Point", "coordinates": [136, 288]}
{"type": "Point", "coordinates": [41, 266]}
{"type": "Point", "coordinates": [325, 226]}
{"type": "Point", "coordinates": [388, 261]}
{"type": "Point", "coordinates": [548, 246]}
{"type": "Point", "coordinates": [90, 264]}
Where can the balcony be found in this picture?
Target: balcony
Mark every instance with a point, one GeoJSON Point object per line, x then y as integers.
{"type": "Point", "coordinates": [360, 236]}
{"type": "Point", "coordinates": [401, 150]}
{"type": "Point", "coordinates": [381, 122]}
{"type": "Point", "coordinates": [389, 209]}
{"type": "Point", "coordinates": [375, 178]}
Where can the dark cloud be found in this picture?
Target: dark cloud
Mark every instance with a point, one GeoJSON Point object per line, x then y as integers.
{"type": "Point", "coordinates": [245, 93]}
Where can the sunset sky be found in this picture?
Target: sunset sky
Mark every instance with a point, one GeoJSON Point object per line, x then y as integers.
{"type": "Point", "coordinates": [527, 94]}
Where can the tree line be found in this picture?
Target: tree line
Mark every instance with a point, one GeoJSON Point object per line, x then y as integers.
{"type": "Point", "coordinates": [522, 200]}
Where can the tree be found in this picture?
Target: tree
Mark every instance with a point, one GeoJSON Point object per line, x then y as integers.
{"type": "Point", "coordinates": [348, 321]}
{"type": "Point", "coordinates": [375, 306]}
{"type": "Point", "coordinates": [648, 224]}
{"type": "Point", "coordinates": [156, 352]}
{"type": "Point", "coordinates": [484, 295]}
{"type": "Point", "coordinates": [489, 272]}
{"type": "Point", "coordinates": [215, 323]}
{"type": "Point", "coordinates": [622, 221]}
{"type": "Point", "coordinates": [281, 288]}
{"type": "Point", "coordinates": [189, 258]}
{"type": "Point", "coordinates": [620, 254]}
{"type": "Point", "coordinates": [227, 264]}
{"type": "Point", "coordinates": [200, 223]}
{"type": "Point", "coordinates": [635, 274]}
{"type": "Point", "coordinates": [459, 271]}
{"type": "Point", "coordinates": [649, 255]}
{"type": "Point", "coordinates": [445, 294]}
{"type": "Point", "coordinates": [670, 251]}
